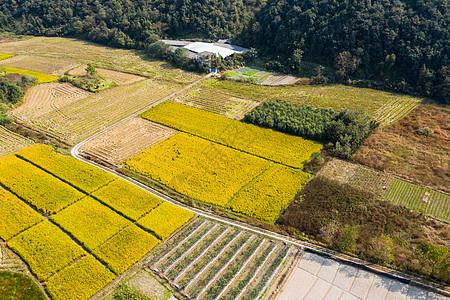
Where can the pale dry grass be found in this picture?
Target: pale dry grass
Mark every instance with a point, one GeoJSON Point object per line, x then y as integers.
{"type": "Point", "coordinates": [127, 140]}
{"type": "Point", "coordinates": [42, 64]}
{"type": "Point", "coordinates": [120, 78]}
{"type": "Point", "coordinates": [11, 142]}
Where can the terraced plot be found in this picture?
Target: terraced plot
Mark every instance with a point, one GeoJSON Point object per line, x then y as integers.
{"type": "Point", "coordinates": [119, 78]}
{"type": "Point", "coordinates": [42, 64]}
{"type": "Point", "coordinates": [389, 188]}
{"type": "Point", "coordinates": [80, 119]}
{"type": "Point", "coordinates": [395, 109]}
{"type": "Point", "coordinates": [127, 140]}
{"type": "Point", "coordinates": [74, 243]}
{"type": "Point", "coordinates": [11, 142]}
{"type": "Point", "coordinates": [214, 261]}
{"type": "Point", "coordinates": [41, 77]}
{"type": "Point", "coordinates": [45, 98]}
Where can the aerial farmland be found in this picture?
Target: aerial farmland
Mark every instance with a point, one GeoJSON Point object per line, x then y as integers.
{"type": "Point", "coordinates": [158, 185]}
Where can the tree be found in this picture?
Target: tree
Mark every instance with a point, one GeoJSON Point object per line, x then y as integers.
{"type": "Point", "coordinates": [159, 49]}
{"type": "Point", "coordinates": [90, 69]}
{"type": "Point", "coordinates": [180, 57]}
{"type": "Point", "coordinates": [346, 64]}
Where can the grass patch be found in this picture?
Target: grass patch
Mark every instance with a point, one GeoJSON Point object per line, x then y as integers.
{"type": "Point", "coordinates": [41, 77]}
{"type": "Point", "coordinates": [14, 286]}
{"type": "Point", "coordinates": [249, 73]}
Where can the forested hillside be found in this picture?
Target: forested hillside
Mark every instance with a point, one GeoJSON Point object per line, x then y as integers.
{"type": "Point", "coordinates": [400, 45]}
{"type": "Point", "coordinates": [405, 45]}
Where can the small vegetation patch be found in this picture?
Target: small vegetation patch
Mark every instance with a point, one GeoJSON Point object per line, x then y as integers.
{"type": "Point", "coordinates": [41, 77]}
{"type": "Point", "coordinates": [46, 249]}
{"type": "Point", "coordinates": [128, 199]}
{"type": "Point", "coordinates": [79, 281]}
{"type": "Point", "coordinates": [16, 215]}
{"type": "Point", "coordinates": [15, 286]}
{"type": "Point", "coordinates": [165, 219]}
{"type": "Point", "coordinates": [198, 168]}
{"type": "Point", "coordinates": [94, 83]}
{"type": "Point", "coordinates": [79, 174]}
{"type": "Point", "coordinates": [35, 186]}
{"type": "Point", "coordinates": [270, 193]}
{"type": "Point", "coordinates": [126, 248]}
{"type": "Point", "coordinates": [289, 150]}
{"type": "Point", "coordinates": [350, 219]}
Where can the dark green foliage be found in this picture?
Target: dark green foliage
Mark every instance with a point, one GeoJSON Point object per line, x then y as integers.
{"type": "Point", "coordinates": [159, 49]}
{"type": "Point", "coordinates": [306, 121]}
{"type": "Point", "coordinates": [10, 92]}
{"type": "Point", "coordinates": [5, 119]}
{"type": "Point", "coordinates": [350, 219]}
{"type": "Point", "coordinates": [402, 45]}
{"type": "Point", "coordinates": [14, 286]}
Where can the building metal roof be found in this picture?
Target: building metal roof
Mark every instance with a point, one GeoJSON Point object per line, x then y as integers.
{"type": "Point", "coordinates": [199, 47]}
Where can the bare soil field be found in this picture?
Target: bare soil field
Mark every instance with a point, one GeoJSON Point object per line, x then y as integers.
{"type": "Point", "coordinates": [399, 149]}
{"type": "Point", "coordinates": [40, 63]}
{"type": "Point", "coordinates": [280, 79]}
{"type": "Point", "coordinates": [45, 98]}
{"type": "Point", "coordinates": [82, 52]}
{"type": "Point", "coordinates": [81, 119]}
{"type": "Point", "coordinates": [127, 140]}
{"type": "Point", "coordinates": [11, 142]}
{"type": "Point", "coordinates": [120, 78]}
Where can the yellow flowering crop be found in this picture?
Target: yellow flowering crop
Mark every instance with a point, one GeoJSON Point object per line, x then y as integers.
{"type": "Point", "coordinates": [16, 216]}
{"type": "Point", "coordinates": [270, 193]}
{"type": "Point", "coordinates": [86, 177]}
{"type": "Point", "coordinates": [276, 146]}
{"type": "Point", "coordinates": [79, 281]}
{"type": "Point", "coordinates": [41, 77]}
{"type": "Point", "coordinates": [126, 248]}
{"type": "Point", "coordinates": [46, 249]}
{"type": "Point", "coordinates": [35, 186]}
{"type": "Point", "coordinates": [127, 198]}
{"type": "Point", "coordinates": [198, 168]}
{"type": "Point", "coordinates": [165, 219]}
{"type": "Point", "coordinates": [90, 222]}
{"type": "Point", "coordinates": [5, 56]}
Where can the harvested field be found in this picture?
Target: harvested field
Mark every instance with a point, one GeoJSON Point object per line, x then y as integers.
{"type": "Point", "coordinates": [81, 119]}
{"type": "Point", "coordinates": [280, 79]}
{"type": "Point", "coordinates": [11, 142]}
{"type": "Point", "coordinates": [127, 140]}
{"type": "Point", "coordinates": [399, 149]}
{"type": "Point", "coordinates": [40, 63]}
{"type": "Point", "coordinates": [45, 98]}
{"type": "Point", "coordinates": [380, 105]}
{"type": "Point", "coordinates": [386, 187]}
{"type": "Point", "coordinates": [82, 53]}
{"type": "Point", "coordinates": [223, 104]}
{"type": "Point", "coordinates": [120, 78]}
{"type": "Point", "coordinates": [214, 261]}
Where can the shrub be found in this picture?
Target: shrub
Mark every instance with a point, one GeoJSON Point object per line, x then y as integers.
{"type": "Point", "coordinates": [427, 131]}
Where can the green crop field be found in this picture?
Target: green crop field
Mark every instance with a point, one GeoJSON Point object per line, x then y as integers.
{"type": "Point", "coordinates": [86, 242]}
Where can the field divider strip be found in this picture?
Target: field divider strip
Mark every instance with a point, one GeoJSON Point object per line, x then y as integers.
{"type": "Point", "coordinates": [212, 261]}
{"type": "Point", "coordinates": [188, 249]}
{"type": "Point", "coordinates": [257, 272]}
{"type": "Point", "coordinates": [273, 275]}
{"type": "Point", "coordinates": [238, 251]}
{"type": "Point", "coordinates": [179, 244]}
{"type": "Point", "coordinates": [241, 270]}
{"type": "Point", "coordinates": [213, 243]}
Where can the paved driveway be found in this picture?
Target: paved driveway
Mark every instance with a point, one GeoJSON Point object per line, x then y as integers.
{"type": "Point", "coordinates": [317, 277]}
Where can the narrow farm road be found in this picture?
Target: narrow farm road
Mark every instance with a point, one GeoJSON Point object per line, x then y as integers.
{"type": "Point", "coordinates": [302, 244]}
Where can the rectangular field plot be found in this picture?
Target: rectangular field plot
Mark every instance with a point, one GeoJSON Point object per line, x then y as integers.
{"type": "Point", "coordinates": [198, 168]}
{"type": "Point", "coordinates": [16, 216]}
{"type": "Point", "coordinates": [270, 193]}
{"type": "Point", "coordinates": [127, 140]}
{"type": "Point", "coordinates": [10, 142]}
{"type": "Point", "coordinates": [35, 186]}
{"type": "Point", "coordinates": [79, 174]}
{"type": "Point", "coordinates": [126, 248]}
{"type": "Point", "coordinates": [46, 249]}
{"type": "Point", "coordinates": [79, 281]}
{"type": "Point", "coordinates": [90, 222]}
{"type": "Point", "coordinates": [80, 119]}
{"type": "Point", "coordinates": [165, 219]}
{"type": "Point", "coordinates": [41, 77]}
{"type": "Point", "coordinates": [420, 198]}
{"type": "Point", "coordinates": [282, 148]}
{"type": "Point", "coordinates": [210, 260]}
{"type": "Point", "coordinates": [128, 199]}
{"type": "Point", "coordinates": [42, 64]}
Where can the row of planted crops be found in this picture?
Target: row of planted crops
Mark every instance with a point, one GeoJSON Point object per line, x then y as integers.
{"type": "Point", "coordinates": [75, 226]}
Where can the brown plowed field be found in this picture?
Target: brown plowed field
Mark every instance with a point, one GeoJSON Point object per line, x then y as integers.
{"type": "Point", "coordinates": [119, 78]}
{"type": "Point", "coordinates": [127, 140]}
{"type": "Point", "coordinates": [46, 98]}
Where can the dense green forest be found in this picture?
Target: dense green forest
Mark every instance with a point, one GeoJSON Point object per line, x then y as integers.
{"type": "Point", "coordinates": [399, 45]}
